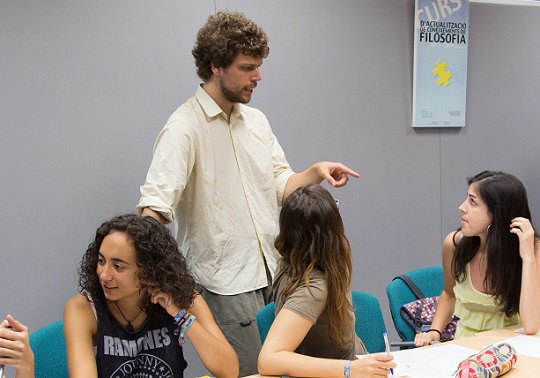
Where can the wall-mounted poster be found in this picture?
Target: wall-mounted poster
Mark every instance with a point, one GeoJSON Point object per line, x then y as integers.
{"type": "Point", "coordinates": [440, 63]}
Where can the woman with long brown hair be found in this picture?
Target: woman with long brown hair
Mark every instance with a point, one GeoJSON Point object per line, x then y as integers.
{"type": "Point", "coordinates": [313, 333]}
{"type": "Point", "coordinates": [491, 264]}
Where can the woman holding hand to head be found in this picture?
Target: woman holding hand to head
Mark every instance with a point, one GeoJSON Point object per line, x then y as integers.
{"type": "Point", "coordinates": [137, 306]}
{"type": "Point", "coordinates": [491, 265]}
{"type": "Point", "coordinates": [313, 332]}
{"type": "Point", "coordinates": [15, 348]}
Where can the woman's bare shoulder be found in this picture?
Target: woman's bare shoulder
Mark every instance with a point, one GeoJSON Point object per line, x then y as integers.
{"type": "Point", "coordinates": [78, 313]}
{"type": "Point", "coordinates": [78, 301]}
{"type": "Point", "coordinates": [452, 238]}
{"type": "Point", "coordinates": [78, 307]}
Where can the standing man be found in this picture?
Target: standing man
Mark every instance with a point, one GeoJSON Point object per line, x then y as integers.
{"type": "Point", "coordinates": [220, 173]}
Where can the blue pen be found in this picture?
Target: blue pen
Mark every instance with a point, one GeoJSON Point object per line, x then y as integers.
{"type": "Point", "coordinates": [387, 349]}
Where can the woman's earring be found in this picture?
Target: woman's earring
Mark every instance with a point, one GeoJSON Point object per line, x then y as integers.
{"type": "Point", "coordinates": [488, 228]}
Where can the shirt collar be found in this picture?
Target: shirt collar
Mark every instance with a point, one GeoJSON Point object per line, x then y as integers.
{"type": "Point", "coordinates": [211, 108]}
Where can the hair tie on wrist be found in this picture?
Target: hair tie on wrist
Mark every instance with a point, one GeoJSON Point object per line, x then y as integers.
{"type": "Point", "coordinates": [436, 330]}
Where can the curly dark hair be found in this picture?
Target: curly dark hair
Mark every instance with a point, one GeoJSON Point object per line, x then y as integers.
{"type": "Point", "coordinates": [506, 198]}
{"type": "Point", "coordinates": [223, 37]}
{"type": "Point", "coordinates": [160, 263]}
{"type": "Point", "coordinates": [312, 236]}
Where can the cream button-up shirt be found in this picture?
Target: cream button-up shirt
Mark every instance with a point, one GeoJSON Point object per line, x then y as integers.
{"type": "Point", "coordinates": [222, 183]}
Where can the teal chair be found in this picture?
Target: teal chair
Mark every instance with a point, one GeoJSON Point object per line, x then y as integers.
{"type": "Point", "coordinates": [369, 324]}
{"type": "Point", "coordinates": [429, 280]}
{"type": "Point", "coordinates": [265, 318]}
{"type": "Point", "coordinates": [49, 347]}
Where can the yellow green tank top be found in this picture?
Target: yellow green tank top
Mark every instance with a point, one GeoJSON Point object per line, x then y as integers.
{"type": "Point", "coordinates": [477, 311]}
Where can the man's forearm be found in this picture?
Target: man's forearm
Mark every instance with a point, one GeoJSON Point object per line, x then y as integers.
{"type": "Point", "coordinates": [309, 176]}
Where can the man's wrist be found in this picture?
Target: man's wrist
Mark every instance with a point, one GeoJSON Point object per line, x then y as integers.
{"type": "Point", "coordinates": [149, 212]}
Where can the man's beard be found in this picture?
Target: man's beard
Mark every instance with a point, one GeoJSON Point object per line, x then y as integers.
{"type": "Point", "coordinates": [230, 95]}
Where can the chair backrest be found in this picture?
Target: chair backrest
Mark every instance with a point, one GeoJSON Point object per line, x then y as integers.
{"type": "Point", "coordinates": [49, 347]}
{"type": "Point", "coordinates": [265, 318]}
{"type": "Point", "coordinates": [369, 323]}
{"type": "Point", "coordinates": [429, 280]}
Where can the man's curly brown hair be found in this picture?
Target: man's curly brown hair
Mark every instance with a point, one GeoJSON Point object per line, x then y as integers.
{"type": "Point", "coordinates": [160, 263]}
{"type": "Point", "coordinates": [223, 37]}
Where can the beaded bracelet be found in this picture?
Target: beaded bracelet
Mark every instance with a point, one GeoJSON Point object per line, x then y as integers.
{"type": "Point", "coordinates": [435, 330]}
{"type": "Point", "coordinates": [347, 369]}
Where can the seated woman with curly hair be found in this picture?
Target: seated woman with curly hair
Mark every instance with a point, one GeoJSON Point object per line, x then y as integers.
{"type": "Point", "coordinates": [138, 302]}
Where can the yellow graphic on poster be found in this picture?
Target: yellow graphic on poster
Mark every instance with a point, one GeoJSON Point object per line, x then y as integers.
{"type": "Point", "coordinates": [442, 73]}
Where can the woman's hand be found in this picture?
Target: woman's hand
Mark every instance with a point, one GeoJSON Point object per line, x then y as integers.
{"type": "Point", "coordinates": [373, 365]}
{"type": "Point", "coordinates": [425, 338]}
{"type": "Point", "coordinates": [164, 300]}
{"type": "Point", "coordinates": [529, 247]}
{"type": "Point", "coordinates": [15, 346]}
{"type": "Point", "coordinates": [523, 229]}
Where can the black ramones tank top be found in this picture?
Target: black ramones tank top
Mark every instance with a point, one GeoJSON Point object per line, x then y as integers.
{"type": "Point", "coordinates": [152, 351]}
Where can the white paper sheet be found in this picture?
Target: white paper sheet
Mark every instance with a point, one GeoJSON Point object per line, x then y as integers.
{"type": "Point", "coordinates": [441, 361]}
{"type": "Point", "coordinates": [526, 345]}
